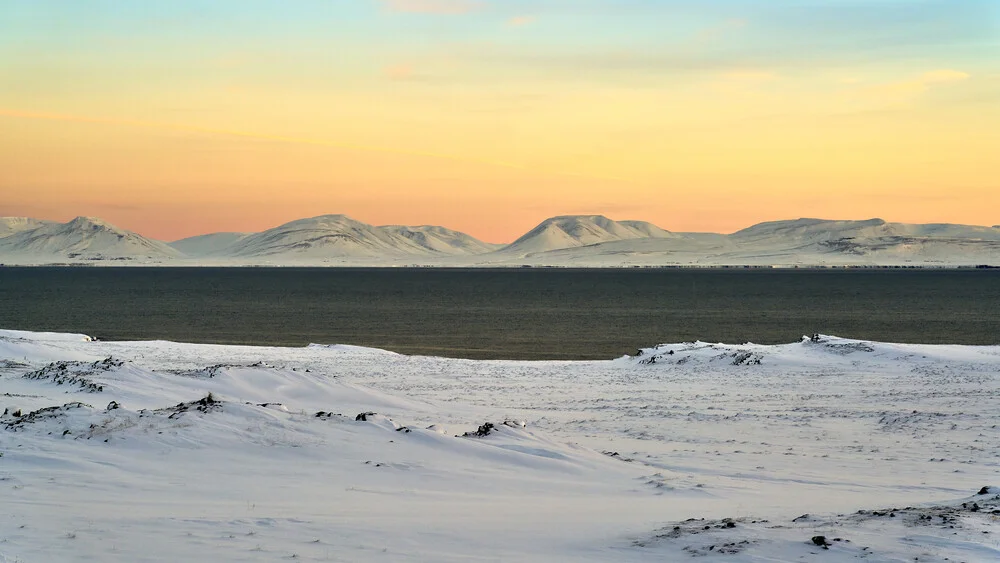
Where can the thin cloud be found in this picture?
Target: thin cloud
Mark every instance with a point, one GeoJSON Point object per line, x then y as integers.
{"type": "Point", "coordinates": [905, 89]}
{"type": "Point", "coordinates": [399, 72]}
{"type": "Point", "coordinates": [6, 112]}
{"type": "Point", "coordinates": [943, 76]}
{"type": "Point", "coordinates": [19, 114]}
{"type": "Point", "coordinates": [717, 32]}
{"type": "Point", "coordinates": [444, 7]}
{"type": "Point", "coordinates": [519, 21]}
{"type": "Point", "coordinates": [750, 76]}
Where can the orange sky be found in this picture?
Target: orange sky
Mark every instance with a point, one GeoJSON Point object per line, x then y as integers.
{"type": "Point", "coordinates": [487, 119]}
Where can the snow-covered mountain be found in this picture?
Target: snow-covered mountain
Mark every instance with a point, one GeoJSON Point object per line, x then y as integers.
{"type": "Point", "coordinates": [13, 225]}
{"type": "Point", "coordinates": [571, 240]}
{"type": "Point", "coordinates": [440, 239]}
{"type": "Point", "coordinates": [873, 240]}
{"type": "Point", "coordinates": [83, 238]}
{"type": "Point", "coordinates": [570, 231]}
{"type": "Point", "coordinates": [800, 242]}
{"type": "Point", "coordinates": [820, 230]}
{"type": "Point", "coordinates": [340, 237]}
{"type": "Point", "coordinates": [211, 244]}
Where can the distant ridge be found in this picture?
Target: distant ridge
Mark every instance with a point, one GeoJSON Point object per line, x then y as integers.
{"type": "Point", "coordinates": [12, 225]}
{"type": "Point", "coordinates": [565, 240]}
{"type": "Point", "coordinates": [339, 236]}
{"type": "Point", "coordinates": [440, 239]}
{"type": "Point", "coordinates": [211, 244]}
{"type": "Point", "coordinates": [568, 231]}
{"type": "Point", "coordinates": [820, 229]}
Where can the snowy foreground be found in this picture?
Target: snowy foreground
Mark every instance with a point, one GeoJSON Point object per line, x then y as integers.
{"type": "Point", "coordinates": [834, 450]}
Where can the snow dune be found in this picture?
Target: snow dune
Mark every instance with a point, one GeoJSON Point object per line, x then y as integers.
{"type": "Point", "coordinates": [828, 447]}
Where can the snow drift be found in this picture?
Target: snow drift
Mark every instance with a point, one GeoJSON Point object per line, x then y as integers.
{"type": "Point", "coordinates": [158, 451]}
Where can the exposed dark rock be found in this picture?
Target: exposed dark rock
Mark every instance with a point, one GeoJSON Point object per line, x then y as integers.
{"type": "Point", "coordinates": [75, 373]}
{"type": "Point", "coordinates": [744, 358]}
{"type": "Point", "coordinates": [46, 413]}
{"type": "Point", "coordinates": [483, 431]}
{"type": "Point", "coordinates": [206, 404]}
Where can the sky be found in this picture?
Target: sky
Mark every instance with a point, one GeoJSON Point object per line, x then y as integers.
{"type": "Point", "coordinates": [179, 118]}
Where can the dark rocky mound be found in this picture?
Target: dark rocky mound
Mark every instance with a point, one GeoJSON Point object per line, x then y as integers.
{"type": "Point", "coordinates": [16, 421]}
{"type": "Point", "coordinates": [206, 404]}
{"type": "Point", "coordinates": [488, 428]}
{"type": "Point", "coordinates": [75, 373]}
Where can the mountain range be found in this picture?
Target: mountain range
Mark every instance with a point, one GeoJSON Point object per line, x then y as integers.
{"type": "Point", "coordinates": [570, 240]}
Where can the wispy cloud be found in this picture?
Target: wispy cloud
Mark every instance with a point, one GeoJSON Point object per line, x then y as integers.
{"type": "Point", "coordinates": [905, 89]}
{"type": "Point", "coordinates": [399, 72]}
{"type": "Point", "coordinates": [750, 76]}
{"type": "Point", "coordinates": [46, 116]}
{"type": "Point", "coordinates": [719, 31]}
{"type": "Point", "coordinates": [519, 21]}
{"type": "Point", "coordinates": [446, 7]}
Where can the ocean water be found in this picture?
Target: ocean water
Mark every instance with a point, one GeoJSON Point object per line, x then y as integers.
{"type": "Point", "coordinates": [505, 313]}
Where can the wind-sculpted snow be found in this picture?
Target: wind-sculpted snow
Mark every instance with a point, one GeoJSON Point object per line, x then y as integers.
{"type": "Point", "coordinates": [827, 448]}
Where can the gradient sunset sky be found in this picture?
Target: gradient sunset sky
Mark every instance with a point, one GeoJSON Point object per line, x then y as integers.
{"type": "Point", "coordinates": [181, 117]}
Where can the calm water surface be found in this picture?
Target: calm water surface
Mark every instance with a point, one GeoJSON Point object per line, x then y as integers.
{"type": "Point", "coordinates": [509, 313]}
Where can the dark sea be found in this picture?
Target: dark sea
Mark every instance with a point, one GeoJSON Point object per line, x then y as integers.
{"type": "Point", "coordinates": [504, 313]}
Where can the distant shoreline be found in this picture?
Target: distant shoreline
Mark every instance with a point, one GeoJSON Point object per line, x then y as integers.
{"type": "Point", "coordinates": [125, 264]}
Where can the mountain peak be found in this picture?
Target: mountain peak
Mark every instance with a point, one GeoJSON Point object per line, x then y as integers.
{"type": "Point", "coordinates": [558, 218]}
{"type": "Point", "coordinates": [85, 222]}
{"type": "Point", "coordinates": [332, 219]}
